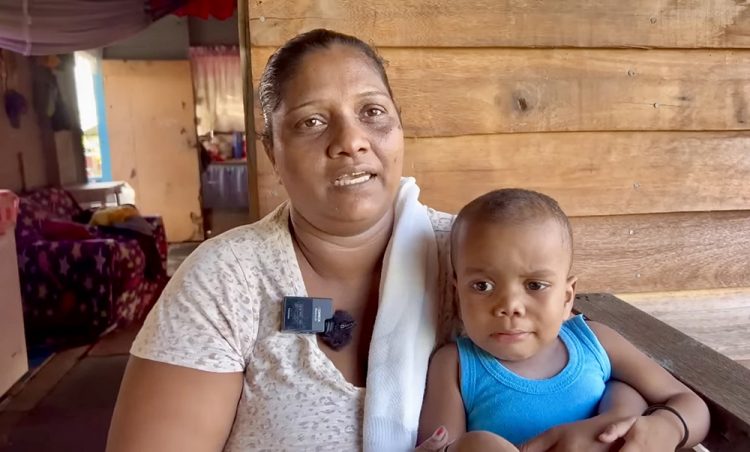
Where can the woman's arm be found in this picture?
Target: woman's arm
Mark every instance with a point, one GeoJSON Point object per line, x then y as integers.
{"type": "Point", "coordinates": [443, 405]}
{"type": "Point", "coordinates": [167, 408]}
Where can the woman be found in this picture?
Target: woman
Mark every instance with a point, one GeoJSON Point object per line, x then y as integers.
{"type": "Point", "coordinates": [211, 368]}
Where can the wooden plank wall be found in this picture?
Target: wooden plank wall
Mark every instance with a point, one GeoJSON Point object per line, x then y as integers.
{"type": "Point", "coordinates": [634, 114]}
{"type": "Point", "coordinates": [150, 118]}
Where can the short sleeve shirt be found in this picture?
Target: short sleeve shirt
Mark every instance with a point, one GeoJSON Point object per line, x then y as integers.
{"type": "Point", "coordinates": [221, 312]}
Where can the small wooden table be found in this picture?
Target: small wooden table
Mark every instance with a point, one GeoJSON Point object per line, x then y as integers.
{"type": "Point", "coordinates": [95, 192]}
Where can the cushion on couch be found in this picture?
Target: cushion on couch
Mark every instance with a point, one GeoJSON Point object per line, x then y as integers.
{"type": "Point", "coordinates": [64, 230]}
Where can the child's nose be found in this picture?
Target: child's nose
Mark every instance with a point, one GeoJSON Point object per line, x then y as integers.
{"type": "Point", "coordinates": [508, 305]}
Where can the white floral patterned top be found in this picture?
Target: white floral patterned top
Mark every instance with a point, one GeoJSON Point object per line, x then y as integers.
{"type": "Point", "coordinates": [221, 312]}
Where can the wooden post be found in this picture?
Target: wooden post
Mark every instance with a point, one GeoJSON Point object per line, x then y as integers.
{"type": "Point", "coordinates": [248, 96]}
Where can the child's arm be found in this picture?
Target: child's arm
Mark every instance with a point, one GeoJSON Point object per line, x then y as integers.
{"type": "Point", "coordinates": [656, 385]}
{"type": "Point", "coordinates": [620, 398]}
{"type": "Point", "coordinates": [443, 405]}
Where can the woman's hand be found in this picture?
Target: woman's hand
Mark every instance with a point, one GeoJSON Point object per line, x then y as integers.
{"type": "Point", "coordinates": [601, 433]}
{"type": "Point", "coordinates": [437, 442]}
{"type": "Point", "coordinates": [653, 433]}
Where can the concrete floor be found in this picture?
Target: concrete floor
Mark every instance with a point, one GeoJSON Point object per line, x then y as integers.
{"type": "Point", "coordinates": [66, 404]}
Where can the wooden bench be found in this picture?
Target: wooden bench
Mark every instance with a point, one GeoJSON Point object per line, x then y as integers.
{"type": "Point", "coordinates": [721, 382]}
{"type": "Point", "coordinates": [718, 318]}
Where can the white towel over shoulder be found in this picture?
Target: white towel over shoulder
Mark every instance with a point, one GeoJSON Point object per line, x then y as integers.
{"type": "Point", "coordinates": [404, 333]}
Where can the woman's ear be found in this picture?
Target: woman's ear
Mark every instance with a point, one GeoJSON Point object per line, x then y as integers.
{"type": "Point", "coordinates": [268, 147]}
{"type": "Point", "coordinates": [570, 295]}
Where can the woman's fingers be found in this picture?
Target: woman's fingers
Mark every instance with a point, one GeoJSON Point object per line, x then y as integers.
{"type": "Point", "coordinates": [436, 442]}
{"type": "Point", "coordinates": [617, 430]}
{"type": "Point", "coordinates": [543, 442]}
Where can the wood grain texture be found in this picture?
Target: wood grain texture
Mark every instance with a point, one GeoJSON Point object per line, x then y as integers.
{"type": "Point", "coordinates": [506, 23]}
{"type": "Point", "coordinates": [641, 253]}
{"type": "Point", "coordinates": [719, 318]}
{"type": "Point", "coordinates": [721, 382]}
{"type": "Point", "coordinates": [243, 19]}
{"type": "Point", "coordinates": [662, 252]}
{"type": "Point", "coordinates": [598, 173]}
{"type": "Point", "coordinates": [588, 173]}
{"type": "Point", "coordinates": [453, 92]}
{"type": "Point", "coordinates": [151, 125]}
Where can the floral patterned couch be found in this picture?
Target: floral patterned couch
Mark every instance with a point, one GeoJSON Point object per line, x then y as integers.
{"type": "Point", "coordinates": [73, 289]}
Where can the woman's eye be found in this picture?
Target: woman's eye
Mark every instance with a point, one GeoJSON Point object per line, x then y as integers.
{"type": "Point", "coordinates": [483, 286]}
{"type": "Point", "coordinates": [312, 122]}
{"type": "Point", "coordinates": [374, 111]}
{"type": "Point", "coordinates": [536, 285]}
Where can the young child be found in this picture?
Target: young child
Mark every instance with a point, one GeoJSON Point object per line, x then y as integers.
{"type": "Point", "coordinates": [526, 365]}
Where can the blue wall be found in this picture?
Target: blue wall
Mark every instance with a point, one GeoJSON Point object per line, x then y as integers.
{"type": "Point", "coordinates": [101, 117]}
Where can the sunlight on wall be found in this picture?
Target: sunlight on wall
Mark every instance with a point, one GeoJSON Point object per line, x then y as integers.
{"type": "Point", "coordinates": [84, 74]}
{"type": "Point", "coordinates": [85, 90]}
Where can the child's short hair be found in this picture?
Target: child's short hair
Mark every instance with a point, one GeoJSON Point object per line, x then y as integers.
{"type": "Point", "coordinates": [512, 206]}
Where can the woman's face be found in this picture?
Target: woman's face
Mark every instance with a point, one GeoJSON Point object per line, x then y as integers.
{"type": "Point", "coordinates": [337, 141]}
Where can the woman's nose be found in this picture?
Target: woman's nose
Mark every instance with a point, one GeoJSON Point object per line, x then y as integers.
{"type": "Point", "coordinates": [348, 138]}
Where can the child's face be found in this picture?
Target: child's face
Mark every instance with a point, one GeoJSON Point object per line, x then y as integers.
{"type": "Point", "coordinates": [513, 286]}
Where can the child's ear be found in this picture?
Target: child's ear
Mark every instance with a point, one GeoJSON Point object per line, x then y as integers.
{"type": "Point", "coordinates": [570, 294]}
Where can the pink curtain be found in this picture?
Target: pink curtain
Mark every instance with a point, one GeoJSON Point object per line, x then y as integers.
{"type": "Point", "coordinates": [217, 80]}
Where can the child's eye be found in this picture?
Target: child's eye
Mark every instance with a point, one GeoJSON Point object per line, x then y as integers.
{"type": "Point", "coordinates": [483, 286]}
{"type": "Point", "coordinates": [536, 285]}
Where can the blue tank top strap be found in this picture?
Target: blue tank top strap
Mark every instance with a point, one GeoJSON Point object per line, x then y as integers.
{"type": "Point", "coordinates": [578, 327]}
{"type": "Point", "coordinates": [468, 359]}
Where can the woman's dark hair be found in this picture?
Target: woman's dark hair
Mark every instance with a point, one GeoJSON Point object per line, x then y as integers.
{"type": "Point", "coordinates": [283, 64]}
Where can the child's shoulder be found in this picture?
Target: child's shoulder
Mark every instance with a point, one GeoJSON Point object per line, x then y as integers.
{"type": "Point", "coordinates": [600, 329]}
{"type": "Point", "coordinates": [445, 356]}
{"type": "Point", "coordinates": [446, 353]}
{"type": "Point", "coordinates": [610, 339]}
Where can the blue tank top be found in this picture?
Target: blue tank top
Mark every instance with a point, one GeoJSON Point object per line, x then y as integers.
{"type": "Point", "coordinates": [518, 408]}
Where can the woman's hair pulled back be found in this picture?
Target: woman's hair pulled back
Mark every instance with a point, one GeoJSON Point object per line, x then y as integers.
{"type": "Point", "coordinates": [283, 64]}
